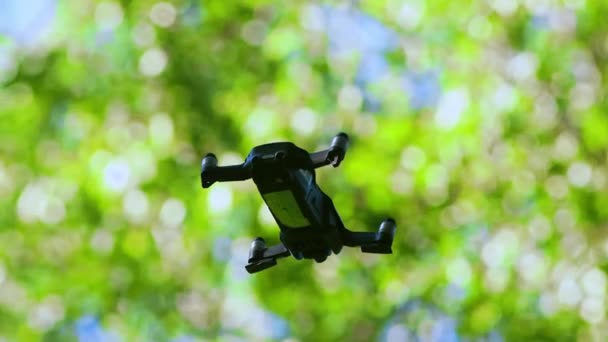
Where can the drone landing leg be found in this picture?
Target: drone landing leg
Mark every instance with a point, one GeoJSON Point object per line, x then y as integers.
{"type": "Point", "coordinates": [261, 258]}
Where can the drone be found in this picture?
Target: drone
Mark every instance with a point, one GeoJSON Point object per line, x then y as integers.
{"type": "Point", "coordinates": [310, 225]}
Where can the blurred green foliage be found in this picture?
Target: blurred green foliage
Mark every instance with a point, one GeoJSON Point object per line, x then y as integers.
{"type": "Point", "coordinates": [480, 126]}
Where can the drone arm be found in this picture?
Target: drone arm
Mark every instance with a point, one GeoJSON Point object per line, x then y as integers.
{"type": "Point", "coordinates": [320, 159]}
{"type": "Point", "coordinates": [212, 173]}
{"type": "Point", "coordinates": [358, 239]}
{"type": "Point", "coordinates": [261, 258]}
{"type": "Point", "coordinates": [379, 242]}
{"type": "Point", "coordinates": [276, 251]}
{"type": "Point", "coordinates": [334, 154]}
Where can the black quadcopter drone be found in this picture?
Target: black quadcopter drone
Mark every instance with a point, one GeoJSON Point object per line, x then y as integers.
{"type": "Point", "coordinates": [310, 225]}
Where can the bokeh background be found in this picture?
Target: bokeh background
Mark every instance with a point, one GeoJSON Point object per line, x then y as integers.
{"type": "Point", "coordinates": [481, 126]}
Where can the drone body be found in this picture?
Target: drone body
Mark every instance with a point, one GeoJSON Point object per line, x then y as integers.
{"type": "Point", "coordinates": [310, 225]}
